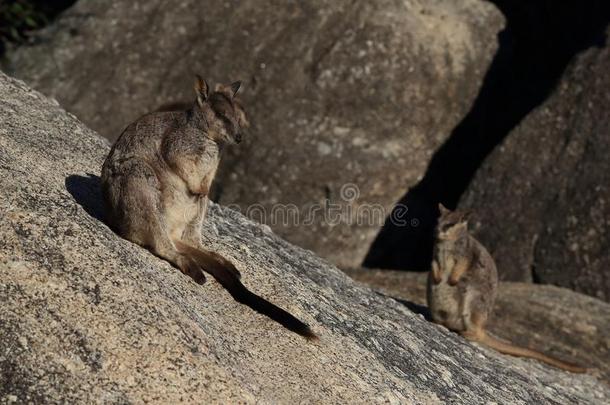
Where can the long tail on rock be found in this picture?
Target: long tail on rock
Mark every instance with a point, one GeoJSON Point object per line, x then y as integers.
{"type": "Point", "coordinates": [507, 348]}
{"type": "Point", "coordinates": [229, 277]}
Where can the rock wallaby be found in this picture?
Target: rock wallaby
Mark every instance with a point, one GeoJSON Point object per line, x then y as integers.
{"type": "Point", "coordinates": [156, 179]}
{"type": "Point", "coordinates": [462, 287]}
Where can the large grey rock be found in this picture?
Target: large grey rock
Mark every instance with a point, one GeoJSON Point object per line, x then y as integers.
{"type": "Point", "coordinates": [86, 316]}
{"type": "Point", "coordinates": [339, 92]}
{"type": "Point", "coordinates": [542, 199]}
{"type": "Point", "coordinates": [535, 141]}
{"type": "Point", "coordinates": [550, 319]}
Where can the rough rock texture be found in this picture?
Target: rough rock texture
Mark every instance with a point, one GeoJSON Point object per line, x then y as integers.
{"type": "Point", "coordinates": [88, 317]}
{"type": "Point", "coordinates": [542, 199]}
{"type": "Point", "coordinates": [545, 95]}
{"type": "Point", "coordinates": [553, 320]}
{"type": "Point", "coordinates": [339, 92]}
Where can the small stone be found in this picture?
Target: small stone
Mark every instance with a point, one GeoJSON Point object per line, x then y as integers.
{"type": "Point", "coordinates": [23, 342]}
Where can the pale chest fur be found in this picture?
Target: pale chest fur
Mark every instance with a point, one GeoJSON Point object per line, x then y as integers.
{"type": "Point", "coordinates": [446, 305]}
{"type": "Point", "coordinates": [180, 206]}
{"type": "Point", "coordinates": [446, 302]}
{"type": "Point", "coordinates": [446, 260]}
{"type": "Point", "coordinates": [181, 209]}
{"type": "Point", "coordinates": [209, 164]}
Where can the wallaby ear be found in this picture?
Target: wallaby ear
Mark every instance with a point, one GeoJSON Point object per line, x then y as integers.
{"type": "Point", "coordinates": [442, 209]}
{"type": "Point", "coordinates": [201, 89]}
{"type": "Point", "coordinates": [235, 87]}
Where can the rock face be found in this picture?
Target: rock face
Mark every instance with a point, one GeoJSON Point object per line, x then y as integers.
{"type": "Point", "coordinates": [354, 93]}
{"type": "Point", "coordinates": [554, 170]}
{"type": "Point", "coordinates": [550, 319]}
{"type": "Point", "coordinates": [88, 317]}
{"type": "Point", "coordinates": [529, 157]}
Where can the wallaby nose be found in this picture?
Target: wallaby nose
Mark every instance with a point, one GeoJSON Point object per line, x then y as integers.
{"type": "Point", "coordinates": [238, 138]}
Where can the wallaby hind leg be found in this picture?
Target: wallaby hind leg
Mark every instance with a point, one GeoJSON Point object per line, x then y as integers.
{"type": "Point", "coordinates": [144, 225]}
{"type": "Point", "coordinates": [475, 326]}
{"type": "Point", "coordinates": [192, 236]}
{"type": "Point", "coordinates": [163, 247]}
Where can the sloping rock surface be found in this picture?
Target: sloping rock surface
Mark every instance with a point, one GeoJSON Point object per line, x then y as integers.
{"type": "Point", "coordinates": [550, 319]}
{"type": "Point", "coordinates": [86, 316]}
{"type": "Point", "coordinates": [340, 92]}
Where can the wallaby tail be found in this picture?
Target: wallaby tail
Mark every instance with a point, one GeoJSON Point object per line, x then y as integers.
{"type": "Point", "coordinates": [508, 348]}
{"type": "Point", "coordinates": [228, 276]}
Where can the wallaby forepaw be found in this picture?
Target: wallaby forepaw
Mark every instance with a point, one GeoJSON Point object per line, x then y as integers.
{"type": "Point", "coordinates": [453, 281]}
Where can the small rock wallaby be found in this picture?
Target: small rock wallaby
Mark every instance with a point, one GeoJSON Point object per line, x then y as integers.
{"type": "Point", "coordinates": [462, 287]}
{"type": "Point", "coordinates": [156, 179]}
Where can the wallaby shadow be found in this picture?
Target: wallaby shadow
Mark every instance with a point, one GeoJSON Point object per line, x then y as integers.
{"type": "Point", "coordinates": [411, 306]}
{"type": "Point", "coordinates": [539, 40]}
{"type": "Point", "coordinates": [87, 191]}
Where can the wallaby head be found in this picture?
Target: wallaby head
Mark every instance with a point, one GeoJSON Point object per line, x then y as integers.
{"type": "Point", "coordinates": [451, 224]}
{"type": "Point", "coordinates": [224, 114]}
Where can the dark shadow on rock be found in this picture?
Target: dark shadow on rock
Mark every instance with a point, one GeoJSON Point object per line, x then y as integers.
{"type": "Point", "coordinates": [87, 191]}
{"type": "Point", "coordinates": [411, 306]}
{"type": "Point", "coordinates": [540, 38]}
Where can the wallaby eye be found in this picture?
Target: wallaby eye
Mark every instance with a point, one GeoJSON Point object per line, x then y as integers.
{"type": "Point", "coordinates": [224, 118]}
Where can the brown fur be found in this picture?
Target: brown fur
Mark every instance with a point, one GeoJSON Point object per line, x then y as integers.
{"type": "Point", "coordinates": [462, 287]}
{"type": "Point", "coordinates": [175, 106]}
{"type": "Point", "coordinates": [156, 179]}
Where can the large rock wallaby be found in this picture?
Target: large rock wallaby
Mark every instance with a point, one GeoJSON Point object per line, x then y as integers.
{"type": "Point", "coordinates": [156, 180]}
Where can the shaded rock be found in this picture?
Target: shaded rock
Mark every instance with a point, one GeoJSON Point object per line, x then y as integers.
{"type": "Point", "coordinates": [542, 199]}
{"type": "Point", "coordinates": [339, 92]}
{"type": "Point", "coordinates": [552, 320]}
{"type": "Point", "coordinates": [539, 63]}
{"type": "Point", "coordinates": [86, 316]}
